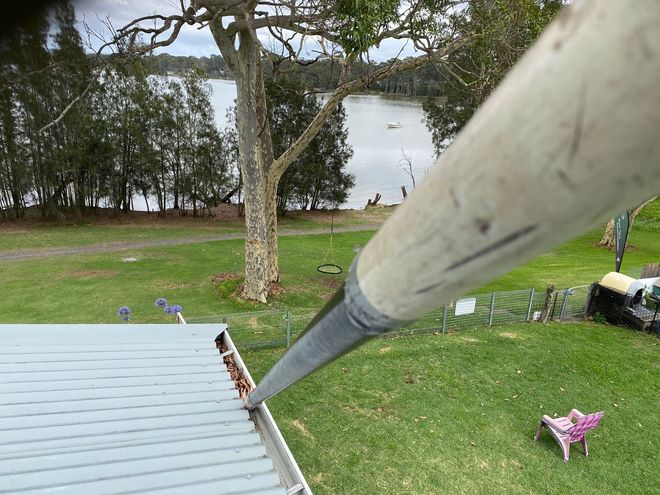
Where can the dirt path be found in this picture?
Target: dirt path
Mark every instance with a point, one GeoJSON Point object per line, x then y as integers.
{"type": "Point", "coordinates": [126, 246]}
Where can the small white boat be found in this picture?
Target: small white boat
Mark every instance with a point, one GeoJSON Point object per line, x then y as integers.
{"type": "Point", "coordinates": [394, 125]}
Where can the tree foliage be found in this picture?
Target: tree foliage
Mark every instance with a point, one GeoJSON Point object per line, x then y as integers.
{"type": "Point", "coordinates": [360, 22]}
{"type": "Point", "coordinates": [499, 32]}
{"type": "Point", "coordinates": [342, 32]}
{"type": "Point", "coordinates": [317, 178]}
{"type": "Point", "coordinates": [132, 135]}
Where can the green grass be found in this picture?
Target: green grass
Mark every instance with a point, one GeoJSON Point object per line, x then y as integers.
{"type": "Point", "coordinates": [89, 288]}
{"type": "Point", "coordinates": [16, 238]}
{"type": "Point", "coordinates": [139, 227]}
{"type": "Point", "coordinates": [580, 262]}
{"type": "Point", "coordinates": [41, 290]}
{"type": "Point", "coordinates": [426, 414]}
{"type": "Point", "coordinates": [456, 413]}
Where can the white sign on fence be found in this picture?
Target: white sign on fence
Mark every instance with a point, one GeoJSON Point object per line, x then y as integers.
{"type": "Point", "coordinates": [465, 306]}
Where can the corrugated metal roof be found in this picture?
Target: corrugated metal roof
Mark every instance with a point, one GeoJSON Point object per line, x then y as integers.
{"type": "Point", "coordinates": [123, 409]}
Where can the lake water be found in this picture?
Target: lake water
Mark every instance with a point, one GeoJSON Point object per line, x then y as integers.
{"type": "Point", "coordinates": [377, 150]}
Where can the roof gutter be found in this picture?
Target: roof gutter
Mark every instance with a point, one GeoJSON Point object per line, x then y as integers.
{"type": "Point", "coordinates": [283, 460]}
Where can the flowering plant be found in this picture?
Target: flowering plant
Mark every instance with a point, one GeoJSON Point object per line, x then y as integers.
{"type": "Point", "coordinates": [124, 313]}
{"type": "Point", "coordinates": [173, 309]}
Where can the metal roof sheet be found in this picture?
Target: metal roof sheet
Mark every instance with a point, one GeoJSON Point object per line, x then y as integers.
{"type": "Point", "coordinates": [122, 409]}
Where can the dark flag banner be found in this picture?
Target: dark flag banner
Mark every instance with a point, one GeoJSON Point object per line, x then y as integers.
{"type": "Point", "coordinates": [621, 226]}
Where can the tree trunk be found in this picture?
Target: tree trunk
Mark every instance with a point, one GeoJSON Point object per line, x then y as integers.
{"type": "Point", "coordinates": [255, 158]}
{"type": "Point", "coordinates": [145, 194]}
{"type": "Point", "coordinates": [607, 241]}
{"type": "Point", "coordinates": [547, 304]}
{"type": "Point", "coordinates": [273, 247]}
{"type": "Point", "coordinates": [260, 171]}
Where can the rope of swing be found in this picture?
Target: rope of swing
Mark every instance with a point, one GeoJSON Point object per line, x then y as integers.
{"type": "Point", "coordinates": [330, 268]}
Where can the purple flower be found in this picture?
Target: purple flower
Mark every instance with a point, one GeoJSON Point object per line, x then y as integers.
{"type": "Point", "coordinates": [161, 302]}
{"type": "Point", "coordinates": [124, 313]}
{"type": "Point", "coordinates": [172, 310]}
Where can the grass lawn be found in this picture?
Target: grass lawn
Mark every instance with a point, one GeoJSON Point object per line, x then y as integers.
{"type": "Point", "coordinates": [44, 290]}
{"type": "Point", "coordinates": [89, 288]}
{"type": "Point", "coordinates": [456, 413]}
{"type": "Point", "coordinates": [426, 414]}
{"type": "Point", "coordinates": [139, 226]}
{"type": "Point", "coordinates": [580, 262]}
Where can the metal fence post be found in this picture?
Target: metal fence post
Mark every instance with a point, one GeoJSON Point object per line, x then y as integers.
{"type": "Point", "coordinates": [288, 328]}
{"type": "Point", "coordinates": [587, 301]}
{"type": "Point", "coordinates": [529, 306]}
{"type": "Point", "coordinates": [563, 304]}
{"type": "Point", "coordinates": [243, 324]}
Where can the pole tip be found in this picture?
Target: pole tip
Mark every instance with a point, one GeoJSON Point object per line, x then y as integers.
{"type": "Point", "coordinates": [249, 405]}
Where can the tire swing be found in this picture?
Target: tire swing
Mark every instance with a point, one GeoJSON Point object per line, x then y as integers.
{"type": "Point", "coordinates": [330, 266]}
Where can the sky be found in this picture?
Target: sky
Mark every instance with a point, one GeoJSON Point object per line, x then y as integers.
{"type": "Point", "coordinates": [190, 41]}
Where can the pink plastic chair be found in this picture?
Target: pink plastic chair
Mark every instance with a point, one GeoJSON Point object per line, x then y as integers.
{"type": "Point", "coordinates": [566, 432]}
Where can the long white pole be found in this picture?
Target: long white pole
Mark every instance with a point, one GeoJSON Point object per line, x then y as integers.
{"type": "Point", "coordinates": [570, 137]}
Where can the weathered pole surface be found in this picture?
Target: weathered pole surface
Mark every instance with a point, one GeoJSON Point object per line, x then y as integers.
{"type": "Point", "coordinates": [569, 138]}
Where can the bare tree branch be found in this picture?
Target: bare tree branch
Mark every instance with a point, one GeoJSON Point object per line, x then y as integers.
{"type": "Point", "coordinates": [407, 166]}
{"type": "Point", "coordinates": [68, 108]}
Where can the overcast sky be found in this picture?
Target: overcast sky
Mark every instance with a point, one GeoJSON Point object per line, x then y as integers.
{"type": "Point", "coordinates": [191, 41]}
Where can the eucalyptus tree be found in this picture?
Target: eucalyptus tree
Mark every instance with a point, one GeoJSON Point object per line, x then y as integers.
{"type": "Point", "coordinates": [344, 31]}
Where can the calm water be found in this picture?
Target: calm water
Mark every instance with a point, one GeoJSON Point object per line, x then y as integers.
{"type": "Point", "coordinates": [376, 149]}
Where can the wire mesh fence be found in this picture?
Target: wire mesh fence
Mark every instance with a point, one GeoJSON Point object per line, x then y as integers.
{"type": "Point", "coordinates": [278, 328]}
{"type": "Point", "coordinates": [253, 329]}
{"type": "Point", "coordinates": [570, 304]}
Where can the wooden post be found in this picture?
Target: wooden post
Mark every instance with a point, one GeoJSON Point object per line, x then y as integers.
{"type": "Point", "coordinates": [547, 304]}
{"type": "Point", "coordinates": [373, 202]}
